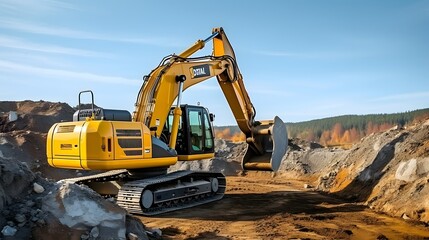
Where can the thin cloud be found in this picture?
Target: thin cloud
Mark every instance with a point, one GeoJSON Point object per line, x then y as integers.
{"type": "Point", "coordinates": [17, 43]}
{"type": "Point", "coordinates": [67, 75]}
{"type": "Point", "coordinates": [404, 96]}
{"type": "Point", "coordinates": [281, 54]}
{"type": "Point", "coordinates": [269, 92]}
{"type": "Point", "coordinates": [34, 7]}
{"type": "Point", "coordinates": [18, 25]}
{"type": "Point", "coordinates": [41, 59]}
{"type": "Point", "coordinates": [328, 55]}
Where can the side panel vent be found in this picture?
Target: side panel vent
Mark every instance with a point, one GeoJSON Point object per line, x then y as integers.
{"type": "Point", "coordinates": [128, 132]}
{"type": "Point", "coordinates": [130, 143]}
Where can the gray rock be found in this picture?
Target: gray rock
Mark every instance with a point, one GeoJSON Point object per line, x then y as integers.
{"type": "Point", "coordinates": [24, 209]}
{"type": "Point", "coordinates": [36, 214]}
{"type": "Point", "coordinates": [132, 236]}
{"type": "Point", "coordinates": [38, 188]}
{"type": "Point", "coordinates": [30, 203]}
{"type": "Point", "coordinates": [33, 212]}
{"type": "Point", "coordinates": [407, 170]}
{"type": "Point", "coordinates": [41, 222]}
{"type": "Point", "coordinates": [8, 231]}
{"type": "Point", "coordinates": [94, 232]}
{"type": "Point", "coordinates": [79, 207]}
{"type": "Point", "coordinates": [12, 116]}
{"type": "Point", "coordinates": [157, 232]}
{"type": "Point", "coordinates": [20, 218]}
{"type": "Point", "coordinates": [136, 227]}
{"type": "Point", "coordinates": [5, 212]}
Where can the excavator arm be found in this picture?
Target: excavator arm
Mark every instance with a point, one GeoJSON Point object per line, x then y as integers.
{"type": "Point", "coordinates": [267, 140]}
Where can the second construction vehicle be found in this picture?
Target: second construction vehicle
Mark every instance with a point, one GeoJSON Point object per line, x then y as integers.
{"type": "Point", "coordinates": [138, 148]}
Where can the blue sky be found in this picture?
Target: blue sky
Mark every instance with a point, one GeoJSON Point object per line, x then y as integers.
{"type": "Point", "coordinates": [301, 60]}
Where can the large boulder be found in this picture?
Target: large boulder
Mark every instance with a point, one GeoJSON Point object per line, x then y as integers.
{"type": "Point", "coordinates": [80, 208]}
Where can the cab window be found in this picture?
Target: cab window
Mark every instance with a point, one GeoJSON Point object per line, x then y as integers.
{"type": "Point", "coordinates": [196, 131]}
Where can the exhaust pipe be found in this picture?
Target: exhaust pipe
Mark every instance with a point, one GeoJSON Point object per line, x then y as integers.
{"type": "Point", "coordinates": [266, 146]}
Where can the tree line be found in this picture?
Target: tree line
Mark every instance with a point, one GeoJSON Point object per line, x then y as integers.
{"type": "Point", "coordinates": [340, 130]}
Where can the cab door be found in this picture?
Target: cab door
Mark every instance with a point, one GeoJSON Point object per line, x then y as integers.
{"type": "Point", "coordinates": [199, 131]}
{"type": "Point", "coordinates": [195, 137]}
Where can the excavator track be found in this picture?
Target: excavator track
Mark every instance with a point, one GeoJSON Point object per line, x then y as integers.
{"type": "Point", "coordinates": [171, 192]}
{"type": "Point", "coordinates": [161, 194]}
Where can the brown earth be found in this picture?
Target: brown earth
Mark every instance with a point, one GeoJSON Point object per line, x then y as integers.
{"type": "Point", "coordinates": [258, 206]}
{"type": "Point", "coordinates": [25, 138]}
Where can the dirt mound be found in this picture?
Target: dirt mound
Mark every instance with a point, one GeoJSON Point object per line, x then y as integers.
{"type": "Point", "coordinates": [34, 116]}
{"type": "Point", "coordinates": [388, 171]}
{"type": "Point", "coordinates": [24, 138]}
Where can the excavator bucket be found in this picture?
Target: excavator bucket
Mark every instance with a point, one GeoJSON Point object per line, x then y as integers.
{"type": "Point", "coordinates": [267, 146]}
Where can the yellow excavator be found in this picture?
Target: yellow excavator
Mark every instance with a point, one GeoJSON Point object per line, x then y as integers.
{"type": "Point", "coordinates": [137, 149]}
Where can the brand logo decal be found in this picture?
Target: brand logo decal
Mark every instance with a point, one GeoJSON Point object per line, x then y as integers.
{"type": "Point", "coordinates": [200, 71]}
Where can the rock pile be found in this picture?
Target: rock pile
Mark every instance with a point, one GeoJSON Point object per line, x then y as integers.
{"type": "Point", "coordinates": [32, 207]}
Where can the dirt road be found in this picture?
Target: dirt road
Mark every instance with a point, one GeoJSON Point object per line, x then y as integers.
{"type": "Point", "coordinates": [261, 207]}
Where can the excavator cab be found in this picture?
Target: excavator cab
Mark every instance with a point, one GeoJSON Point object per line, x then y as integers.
{"type": "Point", "coordinates": [195, 138]}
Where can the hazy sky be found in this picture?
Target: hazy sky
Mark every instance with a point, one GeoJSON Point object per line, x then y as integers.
{"type": "Point", "coordinates": [300, 60]}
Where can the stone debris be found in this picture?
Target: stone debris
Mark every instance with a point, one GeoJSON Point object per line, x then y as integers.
{"type": "Point", "coordinates": [412, 169]}
{"type": "Point", "coordinates": [405, 216]}
{"type": "Point", "coordinates": [8, 231]}
{"type": "Point", "coordinates": [94, 233]}
{"type": "Point", "coordinates": [132, 236]}
{"type": "Point", "coordinates": [38, 188]}
{"type": "Point", "coordinates": [79, 207]}
{"type": "Point", "coordinates": [227, 159]}
{"type": "Point", "coordinates": [155, 233]}
{"type": "Point", "coordinates": [20, 218]}
{"type": "Point", "coordinates": [13, 116]}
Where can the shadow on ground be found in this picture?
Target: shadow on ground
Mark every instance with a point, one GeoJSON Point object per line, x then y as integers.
{"type": "Point", "coordinates": [255, 206]}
